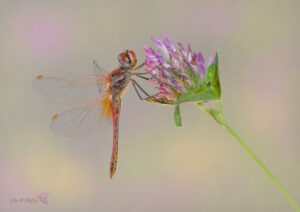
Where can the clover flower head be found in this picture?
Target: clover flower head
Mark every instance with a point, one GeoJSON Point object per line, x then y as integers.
{"type": "Point", "coordinates": [178, 72]}
{"type": "Point", "coordinates": [181, 75]}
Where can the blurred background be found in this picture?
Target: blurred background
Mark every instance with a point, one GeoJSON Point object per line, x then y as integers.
{"type": "Point", "coordinates": [198, 167]}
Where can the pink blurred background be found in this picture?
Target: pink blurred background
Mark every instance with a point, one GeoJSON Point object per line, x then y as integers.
{"type": "Point", "coordinates": [161, 167]}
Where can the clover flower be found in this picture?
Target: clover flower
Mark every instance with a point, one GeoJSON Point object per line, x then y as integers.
{"type": "Point", "coordinates": [181, 75]}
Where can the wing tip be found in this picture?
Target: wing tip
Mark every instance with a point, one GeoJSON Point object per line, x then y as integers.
{"type": "Point", "coordinates": [55, 117]}
{"type": "Point", "coordinates": [39, 77]}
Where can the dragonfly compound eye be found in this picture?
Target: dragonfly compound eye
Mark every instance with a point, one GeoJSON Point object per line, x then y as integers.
{"type": "Point", "coordinates": [132, 57]}
{"type": "Point", "coordinates": [127, 59]}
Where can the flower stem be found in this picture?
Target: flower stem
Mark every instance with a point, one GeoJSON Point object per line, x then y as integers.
{"type": "Point", "coordinates": [266, 170]}
{"type": "Point", "coordinates": [254, 156]}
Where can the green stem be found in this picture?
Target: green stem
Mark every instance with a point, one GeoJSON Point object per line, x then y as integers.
{"type": "Point", "coordinates": [260, 163]}
{"type": "Point", "coordinates": [266, 170]}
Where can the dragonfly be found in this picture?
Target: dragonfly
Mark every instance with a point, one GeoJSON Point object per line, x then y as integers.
{"type": "Point", "coordinates": [101, 93]}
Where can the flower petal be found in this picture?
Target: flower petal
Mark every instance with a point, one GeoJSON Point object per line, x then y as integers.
{"type": "Point", "coordinates": [201, 61]}
{"type": "Point", "coordinates": [161, 46]}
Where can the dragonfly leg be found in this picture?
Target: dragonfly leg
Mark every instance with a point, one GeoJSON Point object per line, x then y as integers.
{"type": "Point", "coordinates": [137, 92]}
{"type": "Point", "coordinates": [140, 74]}
{"type": "Point", "coordinates": [142, 77]}
{"type": "Point", "coordinates": [139, 66]}
{"type": "Point", "coordinates": [136, 86]}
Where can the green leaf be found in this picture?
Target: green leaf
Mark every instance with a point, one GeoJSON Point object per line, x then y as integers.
{"type": "Point", "coordinates": [212, 77]}
{"type": "Point", "coordinates": [177, 116]}
{"type": "Point", "coordinates": [201, 95]}
{"type": "Point", "coordinates": [192, 76]}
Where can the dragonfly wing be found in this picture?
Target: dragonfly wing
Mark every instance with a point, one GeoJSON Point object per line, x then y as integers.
{"type": "Point", "coordinates": [68, 91]}
{"type": "Point", "coordinates": [116, 107]}
{"type": "Point", "coordinates": [79, 121]}
{"type": "Point", "coordinates": [98, 70]}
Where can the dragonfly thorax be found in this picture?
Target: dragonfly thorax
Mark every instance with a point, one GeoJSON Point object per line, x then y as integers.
{"type": "Point", "coordinates": [119, 80]}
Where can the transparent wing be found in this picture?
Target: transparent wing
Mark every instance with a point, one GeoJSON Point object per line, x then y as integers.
{"type": "Point", "coordinates": [80, 120]}
{"type": "Point", "coordinates": [98, 70]}
{"type": "Point", "coordinates": [68, 91]}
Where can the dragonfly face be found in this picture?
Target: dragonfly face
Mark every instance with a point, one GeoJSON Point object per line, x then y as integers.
{"type": "Point", "coordinates": [92, 100]}
{"type": "Point", "coordinates": [127, 59]}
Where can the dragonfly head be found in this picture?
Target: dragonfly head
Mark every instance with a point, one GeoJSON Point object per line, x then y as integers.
{"type": "Point", "coordinates": [127, 59]}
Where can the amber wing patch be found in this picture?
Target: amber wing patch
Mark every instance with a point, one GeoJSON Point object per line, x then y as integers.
{"type": "Point", "coordinates": [106, 106]}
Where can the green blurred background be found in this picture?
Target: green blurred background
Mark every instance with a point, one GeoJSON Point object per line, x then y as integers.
{"type": "Point", "coordinates": [161, 168]}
